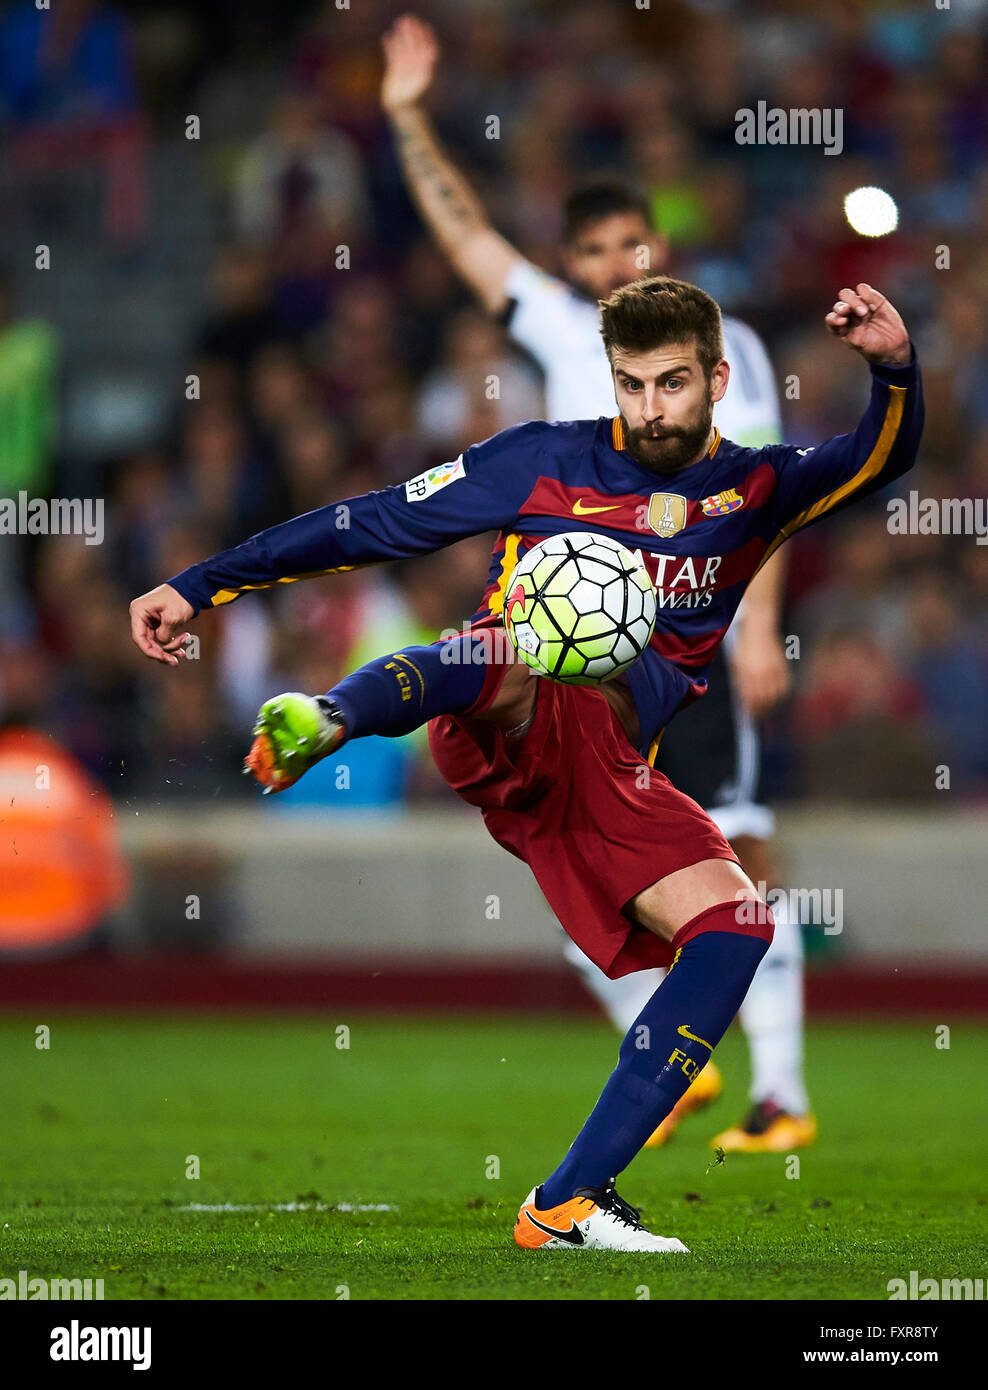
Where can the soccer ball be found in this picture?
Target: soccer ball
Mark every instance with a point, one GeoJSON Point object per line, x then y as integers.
{"type": "Point", "coordinates": [579, 608]}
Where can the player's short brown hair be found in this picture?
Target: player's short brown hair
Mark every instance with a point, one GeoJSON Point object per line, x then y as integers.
{"type": "Point", "coordinates": [647, 314]}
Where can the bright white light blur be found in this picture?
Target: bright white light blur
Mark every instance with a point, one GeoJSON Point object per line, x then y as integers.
{"type": "Point", "coordinates": [871, 212]}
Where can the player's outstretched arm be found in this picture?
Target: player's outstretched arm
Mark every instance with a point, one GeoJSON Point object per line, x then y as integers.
{"type": "Point", "coordinates": [449, 206]}
{"type": "Point", "coordinates": [343, 536]}
{"type": "Point", "coordinates": [480, 491]}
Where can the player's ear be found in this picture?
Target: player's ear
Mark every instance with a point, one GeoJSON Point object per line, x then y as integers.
{"type": "Point", "coordinates": [719, 378]}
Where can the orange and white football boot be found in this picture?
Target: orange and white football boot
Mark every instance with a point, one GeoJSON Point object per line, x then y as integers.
{"type": "Point", "coordinates": [594, 1218]}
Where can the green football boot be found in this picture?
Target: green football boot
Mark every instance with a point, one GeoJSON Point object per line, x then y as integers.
{"type": "Point", "coordinates": [293, 732]}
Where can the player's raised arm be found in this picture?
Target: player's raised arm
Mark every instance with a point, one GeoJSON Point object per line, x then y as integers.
{"type": "Point", "coordinates": [449, 206]}
{"type": "Point", "coordinates": [813, 483]}
{"type": "Point", "coordinates": [482, 490]}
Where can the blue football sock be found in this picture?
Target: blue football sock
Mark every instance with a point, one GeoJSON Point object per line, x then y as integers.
{"type": "Point", "coordinates": [666, 1046]}
{"type": "Point", "coordinates": [397, 693]}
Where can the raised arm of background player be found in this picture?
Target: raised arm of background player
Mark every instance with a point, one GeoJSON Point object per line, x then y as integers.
{"type": "Point", "coordinates": [450, 208]}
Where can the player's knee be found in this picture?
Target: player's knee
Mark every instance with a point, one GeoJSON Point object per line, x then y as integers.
{"type": "Point", "coordinates": [684, 895]}
{"type": "Point", "coordinates": [746, 917]}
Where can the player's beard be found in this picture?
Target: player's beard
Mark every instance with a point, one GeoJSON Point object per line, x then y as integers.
{"type": "Point", "coordinates": [669, 450]}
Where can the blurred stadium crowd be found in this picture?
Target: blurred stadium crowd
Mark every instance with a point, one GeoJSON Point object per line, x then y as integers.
{"type": "Point", "coordinates": [319, 379]}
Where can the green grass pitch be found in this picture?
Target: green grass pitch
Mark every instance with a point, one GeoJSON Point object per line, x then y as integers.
{"type": "Point", "coordinates": [98, 1131]}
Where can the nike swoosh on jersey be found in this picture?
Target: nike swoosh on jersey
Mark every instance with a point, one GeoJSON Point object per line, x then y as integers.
{"type": "Point", "coordinates": [574, 1235]}
{"type": "Point", "coordinates": [580, 510]}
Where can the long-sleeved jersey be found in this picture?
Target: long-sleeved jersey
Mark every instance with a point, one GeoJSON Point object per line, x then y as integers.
{"type": "Point", "coordinates": [703, 531]}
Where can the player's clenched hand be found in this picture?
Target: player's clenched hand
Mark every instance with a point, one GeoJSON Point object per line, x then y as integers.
{"type": "Point", "coordinates": [410, 55]}
{"type": "Point", "coordinates": [869, 324]}
{"type": "Point", "coordinates": [155, 619]}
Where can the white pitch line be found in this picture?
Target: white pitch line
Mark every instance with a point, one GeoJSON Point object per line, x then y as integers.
{"type": "Point", "coordinates": [288, 1206]}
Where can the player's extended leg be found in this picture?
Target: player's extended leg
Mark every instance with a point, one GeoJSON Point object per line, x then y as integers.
{"type": "Point", "coordinates": [390, 696]}
{"type": "Point", "coordinates": [771, 1016]}
{"type": "Point", "coordinates": [717, 953]}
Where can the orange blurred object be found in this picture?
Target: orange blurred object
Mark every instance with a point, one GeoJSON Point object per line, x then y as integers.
{"type": "Point", "coordinates": [61, 865]}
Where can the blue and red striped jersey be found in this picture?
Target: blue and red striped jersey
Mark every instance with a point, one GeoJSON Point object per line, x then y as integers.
{"type": "Point", "coordinates": [703, 531]}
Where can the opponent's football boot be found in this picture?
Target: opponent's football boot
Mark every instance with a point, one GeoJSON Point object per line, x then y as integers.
{"type": "Point", "coordinates": [702, 1090]}
{"type": "Point", "coordinates": [767, 1128]}
{"type": "Point", "coordinates": [595, 1218]}
{"type": "Point", "coordinates": [292, 733]}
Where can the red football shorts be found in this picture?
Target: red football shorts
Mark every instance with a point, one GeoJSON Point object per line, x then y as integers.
{"type": "Point", "coordinates": [580, 805]}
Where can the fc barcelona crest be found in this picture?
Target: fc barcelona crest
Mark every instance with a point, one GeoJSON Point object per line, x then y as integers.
{"type": "Point", "coordinates": [722, 502]}
{"type": "Point", "coordinates": [666, 513]}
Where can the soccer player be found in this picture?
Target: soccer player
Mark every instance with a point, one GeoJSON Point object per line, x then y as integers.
{"type": "Point", "coordinates": [638, 875]}
{"type": "Point", "coordinates": [713, 755]}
